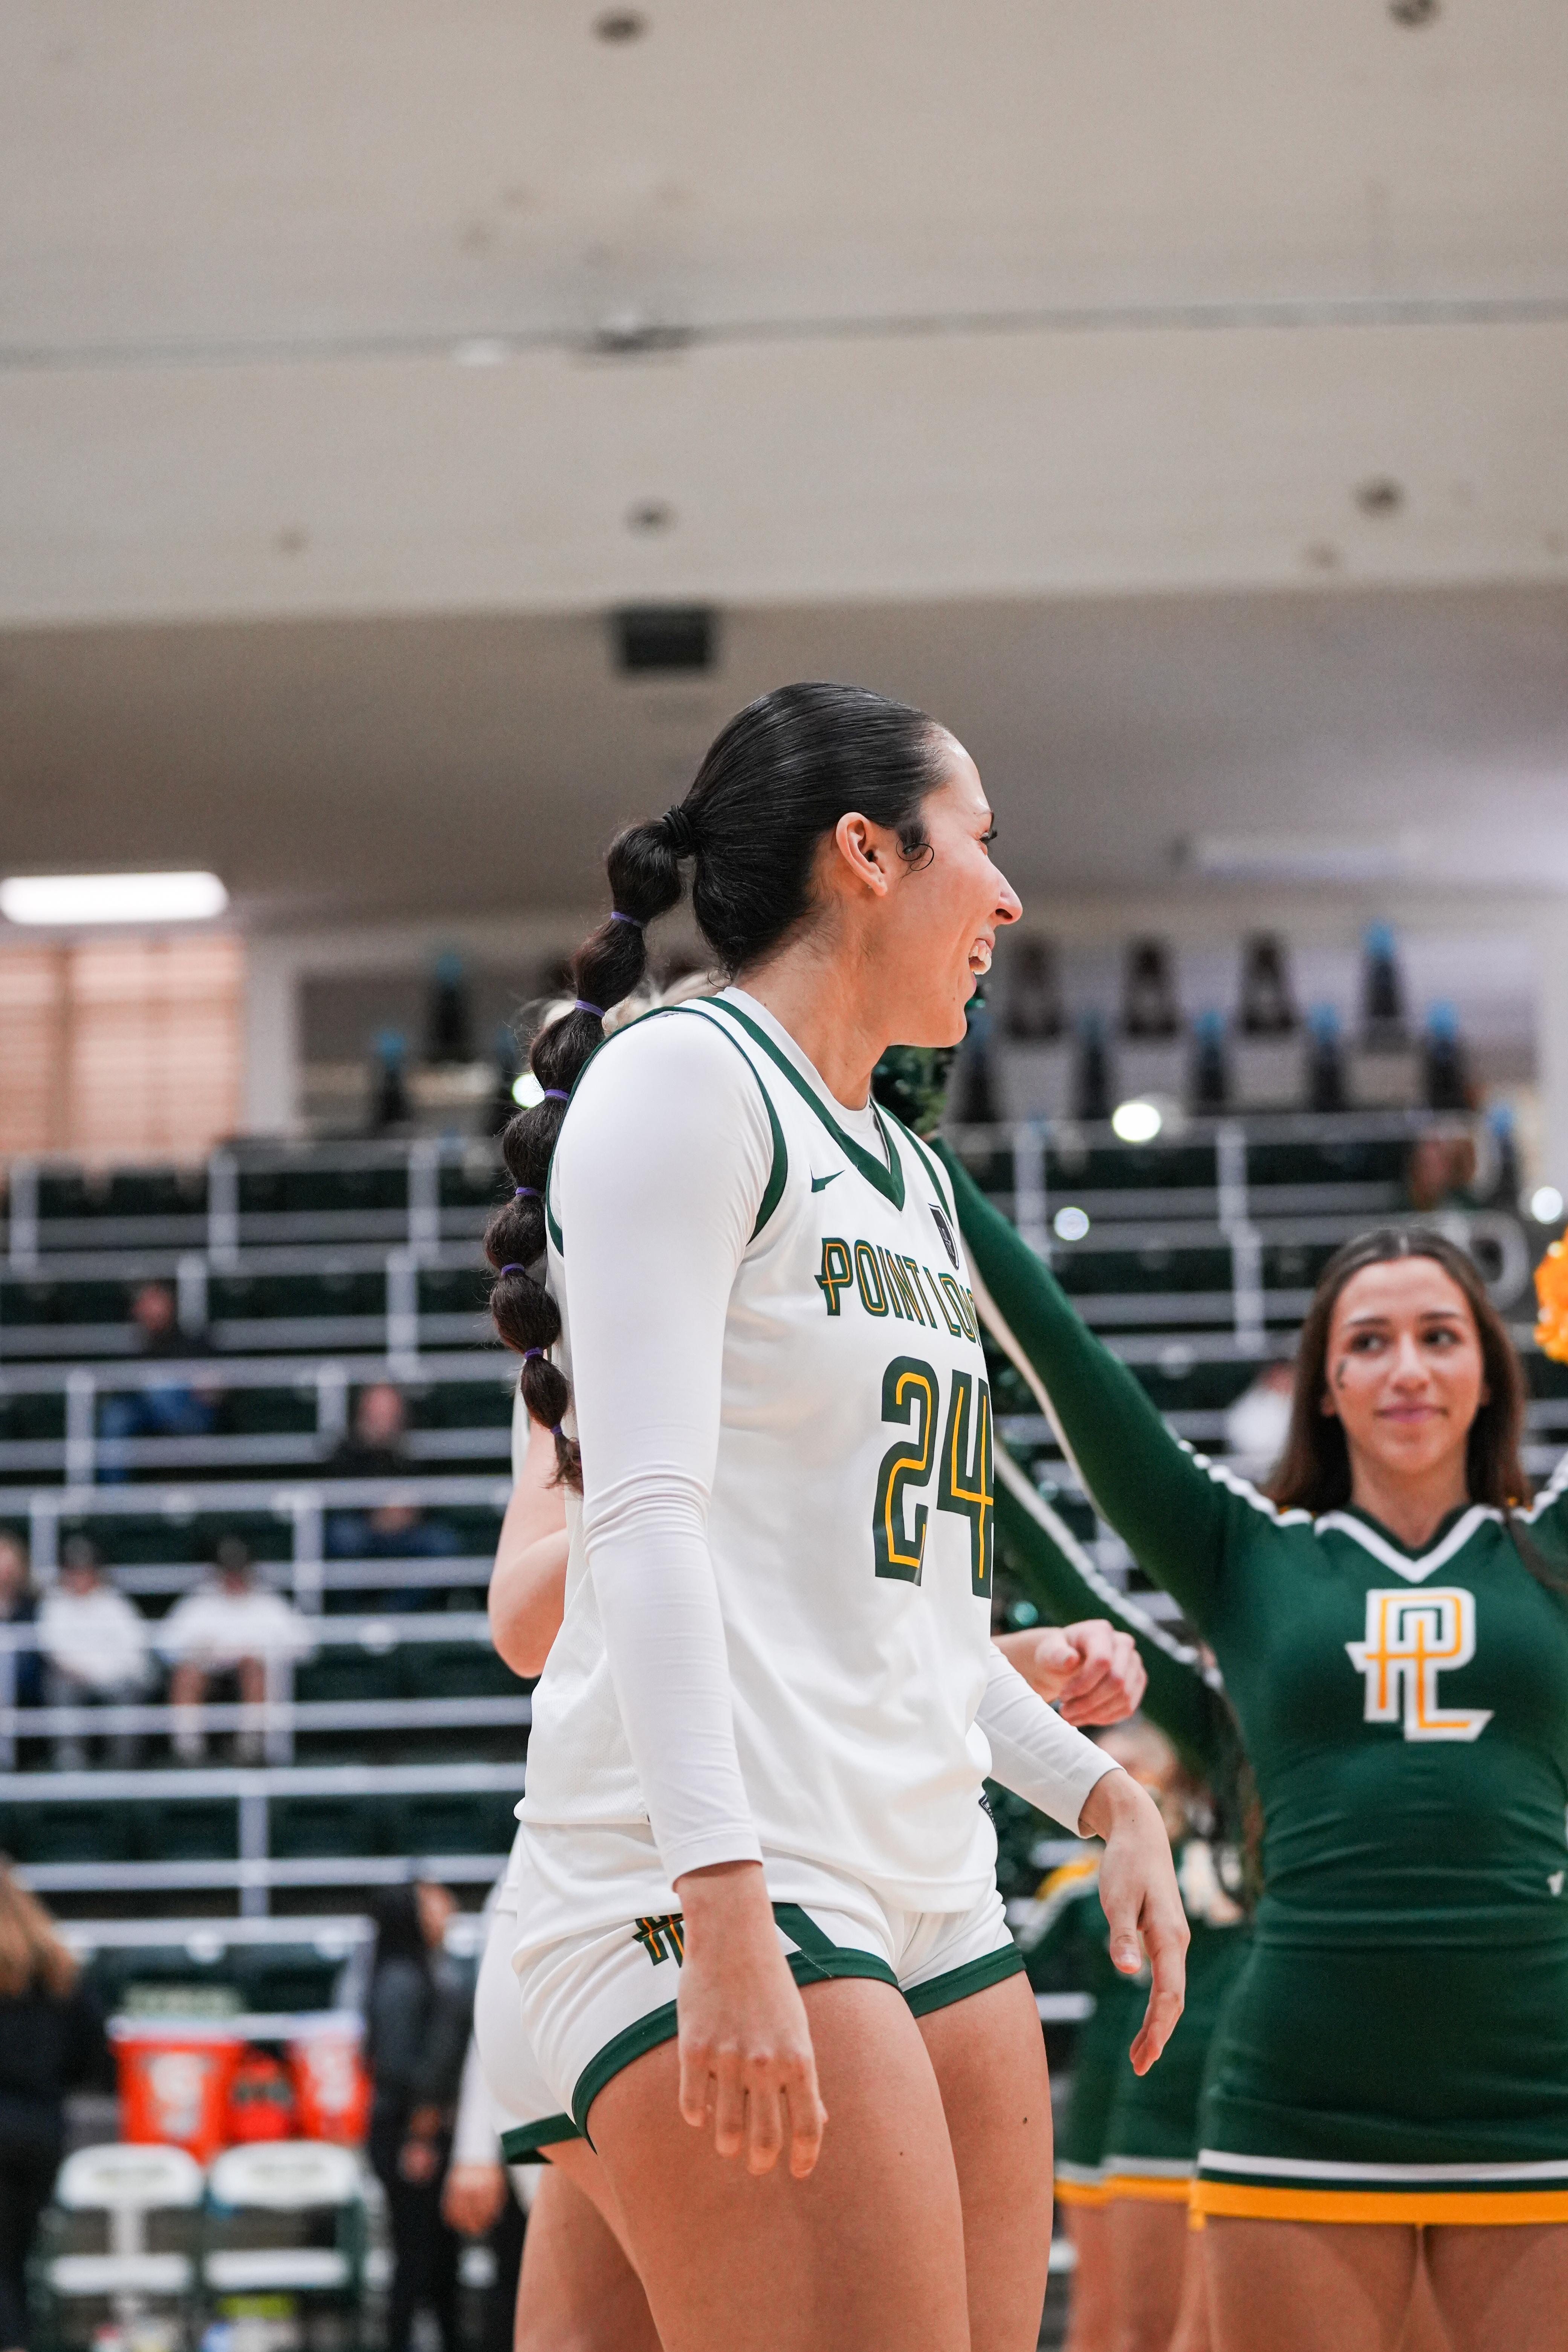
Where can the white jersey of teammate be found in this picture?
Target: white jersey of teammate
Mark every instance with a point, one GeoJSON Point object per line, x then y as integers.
{"type": "Point", "coordinates": [812, 1403]}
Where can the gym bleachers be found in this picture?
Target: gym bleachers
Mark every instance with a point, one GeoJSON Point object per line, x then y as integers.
{"type": "Point", "coordinates": [302, 1276]}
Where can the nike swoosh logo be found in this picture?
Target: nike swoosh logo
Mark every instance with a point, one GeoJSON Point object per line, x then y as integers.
{"type": "Point", "coordinates": [820, 1184]}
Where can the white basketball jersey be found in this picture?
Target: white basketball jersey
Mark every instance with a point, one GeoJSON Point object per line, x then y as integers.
{"type": "Point", "coordinates": [850, 1523]}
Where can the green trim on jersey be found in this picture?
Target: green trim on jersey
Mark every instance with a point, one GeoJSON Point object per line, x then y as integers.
{"type": "Point", "coordinates": [778, 1174]}
{"type": "Point", "coordinates": [933, 1167]}
{"type": "Point", "coordinates": [888, 1181]}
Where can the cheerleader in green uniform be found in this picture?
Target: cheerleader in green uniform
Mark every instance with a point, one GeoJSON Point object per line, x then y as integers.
{"type": "Point", "coordinates": [1392, 1625]}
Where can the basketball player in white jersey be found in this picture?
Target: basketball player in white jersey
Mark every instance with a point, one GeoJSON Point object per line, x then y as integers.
{"type": "Point", "coordinates": [757, 1873]}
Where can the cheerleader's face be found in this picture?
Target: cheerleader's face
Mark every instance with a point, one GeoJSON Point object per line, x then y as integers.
{"type": "Point", "coordinates": [1405, 1374]}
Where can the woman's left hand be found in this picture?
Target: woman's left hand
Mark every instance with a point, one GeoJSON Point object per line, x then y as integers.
{"type": "Point", "coordinates": [1090, 1671]}
{"type": "Point", "coordinates": [1142, 1902]}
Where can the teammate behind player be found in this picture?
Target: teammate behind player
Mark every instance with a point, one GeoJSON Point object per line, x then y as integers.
{"type": "Point", "coordinates": [1392, 1628]}
{"type": "Point", "coordinates": [755, 1856]}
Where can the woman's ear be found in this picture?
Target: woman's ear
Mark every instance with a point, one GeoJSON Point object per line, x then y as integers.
{"type": "Point", "coordinates": [1327, 1406]}
{"type": "Point", "coordinates": [854, 839]}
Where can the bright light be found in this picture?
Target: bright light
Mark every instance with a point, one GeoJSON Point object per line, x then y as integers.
{"type": "Point", "coordinates": [526, 1091]}
{"type": "Point", "coordinates": [78, 898]}
{"type": "Point", "coordinates": [1069, 1224]}
{"type": "Point", "coordinates": [1136, 1122]}
{"type": "Point", "coordinates": [1546, 1206]}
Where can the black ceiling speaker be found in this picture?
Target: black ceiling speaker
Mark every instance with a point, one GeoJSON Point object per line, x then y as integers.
{"type": "Point", "coordinates": [664, 637]}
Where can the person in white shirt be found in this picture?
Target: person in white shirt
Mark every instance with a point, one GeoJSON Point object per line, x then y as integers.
{"type": "Point", "coordinates": [230, 1630]}
{"type": "Point", "coordinates": [757, 1875]}
{"type": "Point", "coordinates": [95, 1652]}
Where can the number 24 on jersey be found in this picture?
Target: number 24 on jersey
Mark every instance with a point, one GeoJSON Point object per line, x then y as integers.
{"type": "Point", "coordinates": [911, 1399]}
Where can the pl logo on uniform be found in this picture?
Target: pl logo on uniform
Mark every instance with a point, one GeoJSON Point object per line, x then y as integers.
{"type": "Point", "coordinates": [1411, 1639]}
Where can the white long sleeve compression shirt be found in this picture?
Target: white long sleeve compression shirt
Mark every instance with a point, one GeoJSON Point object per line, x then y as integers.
{"type": "Point", "coordinates": [788, 1578]}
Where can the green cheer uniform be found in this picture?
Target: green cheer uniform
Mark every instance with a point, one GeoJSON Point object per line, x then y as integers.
{"type": "Point", "coordinates": [1147, 2124]}
{"type": "Point", "coordinates": [1063, 1933]}
{"type": "Point", "coordinates": [1396, 2045]}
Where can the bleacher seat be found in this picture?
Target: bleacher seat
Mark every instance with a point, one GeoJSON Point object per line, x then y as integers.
{"type": "Point", "coordinates": [83, 1831]}
{"type": "Point", "coordinates": [185, 1829]}
{"type": "Point", "coordinates": [308, 1828]}
{"type": "Point", "coordinates": [349, 1677]}
{"type": "Point", "coordinates": [441, 1822]}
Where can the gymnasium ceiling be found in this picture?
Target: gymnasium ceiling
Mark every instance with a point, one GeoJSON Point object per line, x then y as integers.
{"type": "Point", "coordinates": [1175, 399]}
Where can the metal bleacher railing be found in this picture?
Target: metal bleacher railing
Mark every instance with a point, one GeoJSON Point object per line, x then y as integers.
{"type": "Point", "coordinates": [254, 1797]}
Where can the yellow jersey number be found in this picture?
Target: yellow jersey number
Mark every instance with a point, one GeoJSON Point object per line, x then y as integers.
{"type": "Point", "coordinates": [911, 1400]}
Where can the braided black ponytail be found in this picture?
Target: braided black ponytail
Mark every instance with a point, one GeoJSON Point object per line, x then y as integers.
{"type": "Point", "coordinates": [774, 781]}
{"type": "Point", "coordinates": [643, 870]}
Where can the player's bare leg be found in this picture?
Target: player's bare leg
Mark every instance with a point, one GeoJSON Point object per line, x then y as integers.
{"type": "Point", "coordinates": [865, 2254]}
{"type": "Point", "coordinates": [989, 2058]}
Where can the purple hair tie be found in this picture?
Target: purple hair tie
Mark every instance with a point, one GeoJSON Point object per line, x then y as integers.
{"type": "Point", "coordinates": [555, 1429]}
{"type": "Point", "coordinates": [525, 1193]}
{"type": "Point", "coordinates": [514, 1269]}
{"type": "Point", "coordinates": [556, 1093]}
{"type": "Point", "coordinates": [583, 1005]}
{"type": "Point", "coordinates": [532, 1351]}
{"type": "Point", "coordinates": [618, 917]}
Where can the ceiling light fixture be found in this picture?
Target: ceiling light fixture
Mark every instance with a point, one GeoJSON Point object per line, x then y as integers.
{"type": "Point", "coordinates": [67, 901]}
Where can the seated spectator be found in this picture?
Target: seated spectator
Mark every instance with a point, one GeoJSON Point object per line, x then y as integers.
{"type": "Point", "coordinates": [95, 1652]}
{"type": "Point", "coordinates": [1441, 1174]}
{"type": "Point", "coordinates": [20, 1673]}
{"type": "Point", "coordinates": [220, 1639]}
{"type": "Point", "coordinates": [395, 1529]}
{"type": "Point", "coordinates": [161, 1408]}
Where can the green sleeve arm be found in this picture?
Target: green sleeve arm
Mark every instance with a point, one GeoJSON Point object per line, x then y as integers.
{"type": "Point", "coordinates": [1171, 1516]}
{"type": "Point", "coordinates": [1547, 1519]}
{"type": "Point", "coordinates": [1065, 1584]}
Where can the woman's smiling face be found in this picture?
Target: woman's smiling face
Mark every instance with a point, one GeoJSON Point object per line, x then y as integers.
{"type": "Point", "coordinates": [947, 908]}
{"type": "Point", "coordinates": [1405, 1373]}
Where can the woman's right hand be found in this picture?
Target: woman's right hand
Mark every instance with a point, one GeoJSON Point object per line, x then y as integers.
{"type": "Point", "coordinates": [746, 2059]}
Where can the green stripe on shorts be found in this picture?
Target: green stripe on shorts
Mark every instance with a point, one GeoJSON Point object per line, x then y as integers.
{"type": "Point", "coordinates": [525, 2142]}
{"type": "Point", "coordinates": [957, 1984]}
